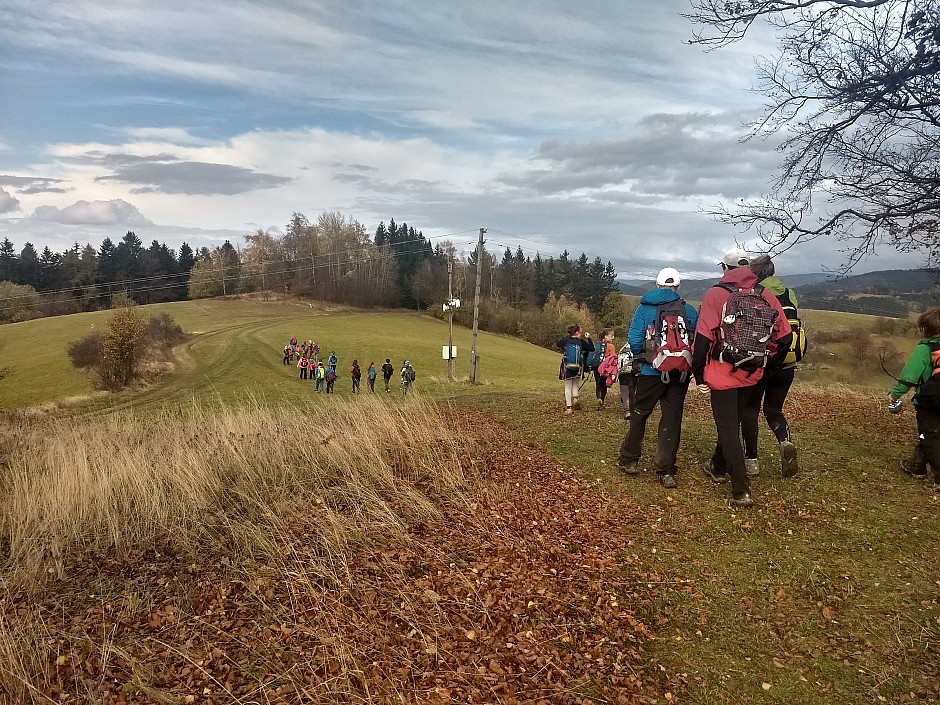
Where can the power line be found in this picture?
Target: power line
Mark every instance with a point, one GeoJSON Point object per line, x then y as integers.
{"type": "Point", "coordinates": [120, 283]}
{"type": "Point", "coordinates": [391, 254]}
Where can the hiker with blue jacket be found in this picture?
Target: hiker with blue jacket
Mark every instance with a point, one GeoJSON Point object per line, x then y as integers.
{"type": "Point", "coordinates": [662, 333]}
{"type": "Point", "coordinates": [575, 347]}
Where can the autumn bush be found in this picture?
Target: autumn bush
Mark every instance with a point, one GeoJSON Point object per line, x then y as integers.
{"type": "Point", "coordinates": [116, 357]}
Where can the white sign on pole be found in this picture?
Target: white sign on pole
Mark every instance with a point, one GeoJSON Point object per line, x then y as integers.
{"type": "Point", "coordinates": [453, 352]}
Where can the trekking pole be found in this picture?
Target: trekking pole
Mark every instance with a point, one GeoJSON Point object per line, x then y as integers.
{"type": "Point", "coordinates": [881, 360]}
{"type": "Point", "coordinates": [584, 379]}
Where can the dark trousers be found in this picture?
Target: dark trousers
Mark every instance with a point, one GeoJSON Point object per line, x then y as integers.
{"type": "Point", "coordinates": [303, 373]}
{"type": "Point", "coordinates": [355, 385]}
{"type": "Point", "coordinates": [600, 385]}
{"type": "Point", "coordinates": [386, 380]}
{"type": "Point", "coordinates": [772, 392]}
{"type": "Point", "coordinates": [728, 410]}
{"type": "Point", "coordinates": [372, 384]}
{"type": "Point", "coordinates": [928, 448]}
{"type": "Point", "coordinates": [670, 396]}
{"type": "Point", "coordinates": [628, 392]}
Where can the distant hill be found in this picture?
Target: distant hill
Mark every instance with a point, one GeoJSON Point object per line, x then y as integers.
{"type": "Point", "coordinates": [893, 292]}
{"type": "Point", "coordinates": [631, 290]}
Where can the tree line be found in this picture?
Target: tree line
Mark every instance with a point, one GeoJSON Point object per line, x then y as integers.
{"type": "Point", "coordinates": [333, 258]}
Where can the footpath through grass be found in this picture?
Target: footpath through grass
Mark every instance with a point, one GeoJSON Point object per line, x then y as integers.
{"type": "Point", "coordinates": [826, 591]}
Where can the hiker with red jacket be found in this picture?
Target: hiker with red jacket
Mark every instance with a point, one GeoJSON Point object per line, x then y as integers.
{"type": "Point", "coordinates": [661, 332]}
{"type": "Point", "coordinates": [741, 329]}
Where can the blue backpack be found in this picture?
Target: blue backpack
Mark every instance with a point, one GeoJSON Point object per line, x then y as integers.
{"type": "Point", "coordinates": [573, 355]}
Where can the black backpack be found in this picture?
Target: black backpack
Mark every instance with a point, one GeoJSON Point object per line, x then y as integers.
{"type": "Point", "coordinates": [928, 396]}
{"type": "Point", "coordinates": [745, 328]}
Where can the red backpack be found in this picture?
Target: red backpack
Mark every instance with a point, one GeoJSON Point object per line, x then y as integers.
{"type": "Point", "coordinates": [669, 343]}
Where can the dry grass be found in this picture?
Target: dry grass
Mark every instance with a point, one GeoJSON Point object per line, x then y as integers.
{"type": "Point", "coordinates": [223, 476]}
{"type": "Point", "coordinates": [210, 481]}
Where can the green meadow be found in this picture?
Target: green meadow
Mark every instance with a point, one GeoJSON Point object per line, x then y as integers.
{"type": "Point", "coordinates": [235, 352]}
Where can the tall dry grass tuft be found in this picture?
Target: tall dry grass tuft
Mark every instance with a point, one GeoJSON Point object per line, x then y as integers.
{"type": "Point", "coordinates": [226, 478]}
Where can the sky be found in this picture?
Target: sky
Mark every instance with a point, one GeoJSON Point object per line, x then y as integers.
{"type": "Point", "coordinates": [590, 127]}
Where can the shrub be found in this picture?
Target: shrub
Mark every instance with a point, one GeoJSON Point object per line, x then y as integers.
{"type": "Point", "coordinates": [21, 303]}
{"type": "Point", "coordinates": [824, 337]}
{"type": "Point", "coordinates": [885, 326]}
{"type": "Point", "coordinates": [122, 300]}
{"type": "Point", "coordinates": [86, 353]}
{"type": "Point", "coordinates": [115, 357]}
{"type": "Point", "coordinates": [863, 349]}
{"type": "Point", "coordinates": [121, 348]}
{"type": "Point", "coordinates": [163, 331]}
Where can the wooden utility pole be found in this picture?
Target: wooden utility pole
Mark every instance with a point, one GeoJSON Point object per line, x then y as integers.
{"type": "Point", "coordinates": [476, 309]}
{"type": "Point", "coordinates": [222, 270]}
{"type": "Point", "coordinates": [450, 318]}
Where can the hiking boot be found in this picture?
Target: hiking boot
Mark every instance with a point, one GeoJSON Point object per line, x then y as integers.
{"type": "Point", "coordinates": [916, 471]}
{"type": "Point", "coordinates": [788, 464]}
{"type": "Point", "coordinates": [708, 467]}
{"type": "Point", "coordinates": [750, 467]}
{"type": "Point", "coordinates": [576, 403]}
{"type": "Point", "coordinates": [629, 467]}
{"type": "Point", "coordinates": [739, 499]}
{"type": "Point", "coordinates": [669, 481]}
{"type": "Point", "coordinates": [600, 404]}
{"type": "Point", "coordinates": [568, 411]}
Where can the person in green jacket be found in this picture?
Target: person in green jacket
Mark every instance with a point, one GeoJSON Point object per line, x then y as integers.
{"type": "Point", "coordinates": [920, 367]}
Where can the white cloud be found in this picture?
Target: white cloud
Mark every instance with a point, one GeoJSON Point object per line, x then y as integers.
{"type": "Point", "coordinates": [114, 212]}
{"type": "Point", "coordinates": [8, 204]}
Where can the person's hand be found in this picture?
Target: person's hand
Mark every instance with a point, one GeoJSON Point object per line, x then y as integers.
{"type": "Point", "coordinates": [703, 388]}
{"type": "Point", "coordinates": [894, 405]}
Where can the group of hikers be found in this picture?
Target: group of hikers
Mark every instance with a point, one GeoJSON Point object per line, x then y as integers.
{"type": "Point", "coordinates": [741, 348]}
{"type": "Point", "coordinates": [324, 372]}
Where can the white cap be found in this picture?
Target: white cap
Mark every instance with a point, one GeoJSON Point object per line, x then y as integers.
{"type": "Point", "coordinates": [668, 277]}
{"type": "Point", "coordinates": [736, 258]}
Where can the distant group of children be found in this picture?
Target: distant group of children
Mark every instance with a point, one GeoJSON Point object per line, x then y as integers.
{"type": "Point", "coordinates": [741, 348]}
{"type": "Point", "coordinates": [324, 374]}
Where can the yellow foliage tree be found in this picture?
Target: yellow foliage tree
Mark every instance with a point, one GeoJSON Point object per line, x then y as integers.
{"type": "Point", "coordinates": [122, 348]}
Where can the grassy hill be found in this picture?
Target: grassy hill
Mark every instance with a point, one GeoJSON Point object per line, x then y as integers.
{"type": "Point", "coordinates": [235, 352]}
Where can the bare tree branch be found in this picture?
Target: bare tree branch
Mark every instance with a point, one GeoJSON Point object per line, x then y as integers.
{"type": "Point", "coordinates": [856, 90]}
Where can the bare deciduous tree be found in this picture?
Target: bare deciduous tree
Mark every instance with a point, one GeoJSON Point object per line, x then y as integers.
{"type": "Point", "coordinates": [855, 93]}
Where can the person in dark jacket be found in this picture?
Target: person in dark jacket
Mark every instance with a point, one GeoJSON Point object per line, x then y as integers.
{"type": "Point", "coordinates": [772, 389]}
{"type": "Point", "coordinates": [728, 385]}
{"type": "Point", "coordinates": [653, 387]}
{"type": "Point", "coordinates": [387, 371]}
{"type": "Point", "coordinates": [356, 375]}
{"type": "Point", "coordinates": [571, 375]}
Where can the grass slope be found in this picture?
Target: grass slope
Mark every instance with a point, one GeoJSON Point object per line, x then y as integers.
{"type": "Point", "coordinates": [827, 591]}
{"type": "Point", "coordinates": [235, 352]}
